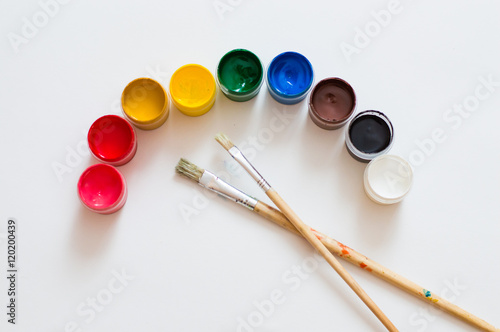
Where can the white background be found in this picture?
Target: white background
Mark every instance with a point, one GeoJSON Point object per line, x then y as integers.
{"type": "Point", "coordinates": [203, 270]}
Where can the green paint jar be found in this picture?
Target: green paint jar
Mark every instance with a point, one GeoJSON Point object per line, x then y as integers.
{"type": "Point", "coordinates": [240, 75]}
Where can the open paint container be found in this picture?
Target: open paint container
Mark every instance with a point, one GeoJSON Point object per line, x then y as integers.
{"type": "Point", "coordinates": [193, 89]}
{"type": "Point", "coordinates": [102, 189]}
{"type": "Point", "coordinates": [240, 75]}
{"type": "Point", "coordinates": [387, 179]}
{"type": "Point", "coordinates": [332, 103]}
{"type": "Point", "coordinates": [289, 77]}
{"type": "Point", "coordinates": [369, 135]}
{"type": "Point", "coordinates": [145, 103]}
{"type": "Point", "coordinates": [112, 140]}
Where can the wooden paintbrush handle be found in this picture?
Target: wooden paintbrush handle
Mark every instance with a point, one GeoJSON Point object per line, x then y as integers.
{"type": "Point", "coordinates": [275, 216]}
{"type": "Point", "coordinates": [382, 272]}
{"type": "Point", "coordinates": [334, 263]}
{"type": "Point", "coordinates": [358, 259]}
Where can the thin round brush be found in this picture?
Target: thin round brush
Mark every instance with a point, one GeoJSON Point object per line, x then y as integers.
{"type": "Point", "coordinates": [303, 229]}
{"type": "Point", "coordinates": [215, 184]}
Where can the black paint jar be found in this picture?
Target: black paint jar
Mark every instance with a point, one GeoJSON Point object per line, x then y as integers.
{"type": "Point", "coordinates": [369, 135]}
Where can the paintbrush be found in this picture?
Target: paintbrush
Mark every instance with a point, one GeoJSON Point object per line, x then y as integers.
{"type": "Point", "coordinates": [303, 229]}
{"type": "Point", "coordinates": [210, 181]}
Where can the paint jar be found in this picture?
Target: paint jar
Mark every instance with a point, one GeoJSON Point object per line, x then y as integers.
{"type": "Point", "coordinates": [240, 75]}
{"type": "Point", "coordinates": [332, 103]}
{"type": "Point", "coordinates": [145, 103]}
{"type": "Point", "coordinates": [192, 88]}
{"type": "Point", "coordinates": [369, 135]}
{"type": "Point", "coordinates": [102, 189]}
{"type": "Point", "coordinates": [112, 140]}
{"type": "Point", "coordinates": [289, 77]}
{"type": "Point", "coordinates": [388, 179]}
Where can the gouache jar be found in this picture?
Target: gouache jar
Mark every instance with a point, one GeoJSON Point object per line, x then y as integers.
{"type": "Point", "coordinates": [240, 75]}
{"type": "Point", "coordinates": [332, 103]}
{"type": "Point", "coordinates": [387, 179]}
{"type": "Point", "coordinates": [193, 89]}
{"type": "Point", "coordinates": [102, 189]}
{"type": "Point", "coordinates": [369, 135]}
{"type": "Point", "coordinates": [112, 140]}
{"type": "Point", "coordinates": [145, 103]}
{"type": "Point", "coordinates": [289, 77]}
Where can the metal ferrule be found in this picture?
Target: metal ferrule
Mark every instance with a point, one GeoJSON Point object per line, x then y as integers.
{"type": "Point", "coordinates": [240, 158]}
{"type": "Point", "coordinates": [212, 182]}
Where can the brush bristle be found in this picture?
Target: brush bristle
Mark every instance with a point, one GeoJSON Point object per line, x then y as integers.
{"type": "Point", "coordinates": [224, 141]}
{"type": "Point", "coordinates": [188, 169]}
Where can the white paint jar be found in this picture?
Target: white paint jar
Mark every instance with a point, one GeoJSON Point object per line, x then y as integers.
{"type": "Point", "coordinates": [387, 179]}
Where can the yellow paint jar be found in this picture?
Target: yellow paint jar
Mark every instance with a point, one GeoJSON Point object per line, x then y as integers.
{"type": "Point", "coordinates": [145, 103]}
{"type": "Point", "coordinates": [192, 88]}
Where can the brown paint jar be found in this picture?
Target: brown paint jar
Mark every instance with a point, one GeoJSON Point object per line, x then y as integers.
{"type": "Point", "coordinates": [332, 103]}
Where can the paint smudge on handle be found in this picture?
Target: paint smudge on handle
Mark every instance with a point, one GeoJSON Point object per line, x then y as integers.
{"type": "Point", "coordinates": [319, 236]}
{"type": "Point", "coordinates": [428, 295]}
{"type": "Point", "coordinates": [364, 266]}
{"type": "Point", "coordinates": [344, 249]}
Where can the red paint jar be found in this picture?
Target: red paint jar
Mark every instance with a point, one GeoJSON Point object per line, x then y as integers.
{"type": "Point", "coordinates": [112, 140]}
{"type": "Point", "coordinates": [102, 189]}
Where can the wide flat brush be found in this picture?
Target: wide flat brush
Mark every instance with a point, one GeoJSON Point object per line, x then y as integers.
{"type": "Point", "coordinates": [303, 229]}
{"type": "Point", "coordinates": [215, 184]}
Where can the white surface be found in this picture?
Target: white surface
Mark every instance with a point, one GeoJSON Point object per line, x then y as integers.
{"type": "Point", "coordinates": [204, 273]}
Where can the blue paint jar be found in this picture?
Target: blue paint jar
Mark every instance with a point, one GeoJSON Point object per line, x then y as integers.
{"type": "Point", "coordinates": [289, 77]}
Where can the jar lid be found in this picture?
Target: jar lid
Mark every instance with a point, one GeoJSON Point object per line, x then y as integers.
{"type": "Point", "coordinates": [387, 179]}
